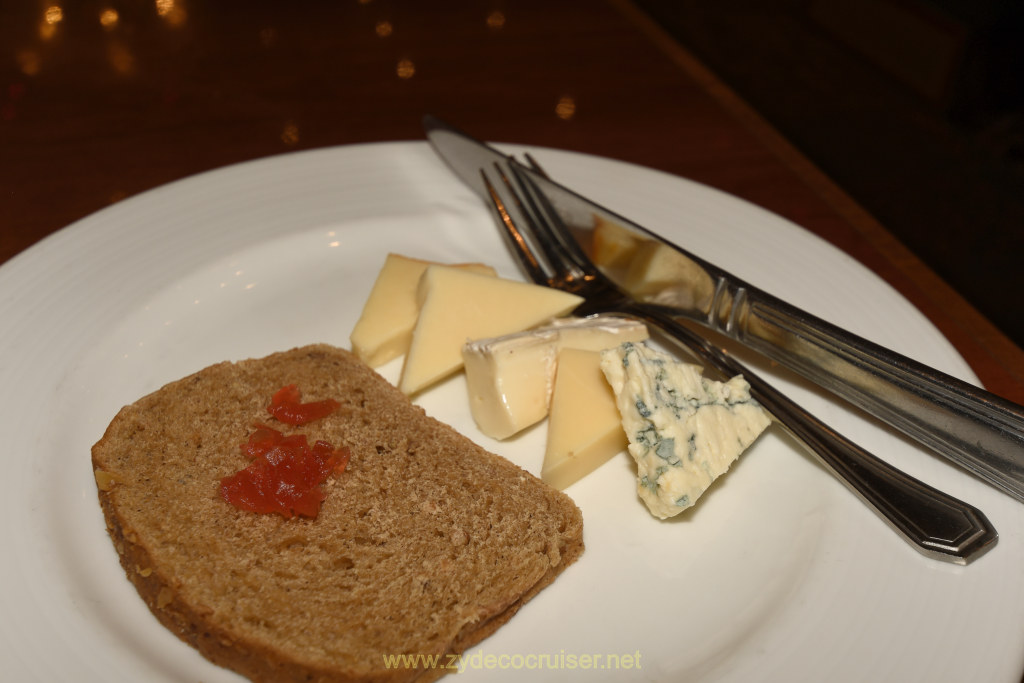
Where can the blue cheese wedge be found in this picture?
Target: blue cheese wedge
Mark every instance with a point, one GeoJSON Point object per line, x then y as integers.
{"type": "Point", "coordinates": [684, 430]}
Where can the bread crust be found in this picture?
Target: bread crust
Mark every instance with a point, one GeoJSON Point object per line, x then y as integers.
{"type": "Point", "coordinates": [171, 583]}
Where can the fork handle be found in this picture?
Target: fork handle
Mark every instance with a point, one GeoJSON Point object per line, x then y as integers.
{"type": "Point", "coordinates": [976, 429]}
{"type": "Point", "coordinates": [939, 525]}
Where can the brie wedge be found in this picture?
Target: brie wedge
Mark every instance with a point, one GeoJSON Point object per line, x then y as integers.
{"type": "Point", "coordinates": [510, 378]}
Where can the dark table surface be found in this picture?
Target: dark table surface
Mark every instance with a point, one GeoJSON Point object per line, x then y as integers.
{"type": "Point", "coordinates": [103, 100]}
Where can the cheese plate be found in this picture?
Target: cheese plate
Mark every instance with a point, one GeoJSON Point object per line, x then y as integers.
{"type": "Point", "coordinates": [778, 574]}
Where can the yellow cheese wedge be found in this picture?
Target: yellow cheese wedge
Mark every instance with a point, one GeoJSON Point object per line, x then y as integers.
{"type": "Point", "coordinates": [384, 329]}
{"type": "Point", "coordinates": [458, 305]}
{"type": "Point", "coordinates": [510, 378]}
{"type": "Point", "coordinates": [584, 429]}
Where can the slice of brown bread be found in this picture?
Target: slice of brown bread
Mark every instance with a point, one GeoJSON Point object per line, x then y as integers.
{"type": "Point", "coordinates": [426, 544]}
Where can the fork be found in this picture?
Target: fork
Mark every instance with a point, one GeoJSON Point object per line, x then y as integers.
{"type": "Point", "coordinates": [935, 523]}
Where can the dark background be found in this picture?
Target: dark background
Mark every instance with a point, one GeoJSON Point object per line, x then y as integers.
{"type": "Point", "coordinates": [914, 107]}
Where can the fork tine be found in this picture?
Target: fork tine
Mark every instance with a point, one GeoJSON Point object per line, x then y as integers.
{"type": "Point", "coordinates": [554, 226]}
{"type": "Point", "coordinates": [535, 165]}
{"type": "Point", "coordinates": [514, 237]}
{"type": "Point", "coordinates": [535, 244]}
{"type": "Point", "coordinates": [535, 224]}
{"type": "Point", "coordinates": [553, 233]}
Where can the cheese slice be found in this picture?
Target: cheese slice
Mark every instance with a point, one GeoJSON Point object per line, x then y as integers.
{"type": "Point", "coordinates": [457, 305]}
{"type": "Point", "coordinates": [684, 430]}
{"type": "Point", "coordinates": [384, 329]}
{"type": "Point", "coordinates": [510, 378]}
{"type": "Point", "coordinates": [584, 430]}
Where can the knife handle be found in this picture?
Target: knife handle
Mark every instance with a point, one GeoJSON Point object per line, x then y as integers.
{"type": "Point", "coordinates": [937, 524]}
{"type": "Point", "coordinates": [974, 428]}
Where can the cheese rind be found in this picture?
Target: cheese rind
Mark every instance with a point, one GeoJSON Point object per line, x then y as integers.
{"type": "Point", "coordinates": [456, 306]}
{"type": "Point", "coordinates": [597, 332]}
{"type": "Point", "coordinates": [384, 329]}
{"type": "Point", "coordinates": [584, 430]}
{"type": "Point", "coordinates": [510, 378]}
{"type": "Point", "coordinates": [684, 430]}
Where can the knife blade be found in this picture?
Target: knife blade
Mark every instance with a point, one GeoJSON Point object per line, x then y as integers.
{"type": "Point", "coordinates": [977, 430]}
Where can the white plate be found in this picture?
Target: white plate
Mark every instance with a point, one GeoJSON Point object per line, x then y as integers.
{"type": "Point", "coordinates": [779, 574]}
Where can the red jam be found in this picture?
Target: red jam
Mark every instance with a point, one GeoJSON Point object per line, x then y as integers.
{"type": "Point", "coordinates": [286, 405]}
{"type": "Point", "coordinates": [285, 475]}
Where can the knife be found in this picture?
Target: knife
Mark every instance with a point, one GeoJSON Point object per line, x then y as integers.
{"type": "Point", "coordinates": [979, 431]}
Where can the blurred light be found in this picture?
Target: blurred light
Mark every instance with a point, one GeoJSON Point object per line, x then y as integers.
{"type": "Point", "coordinates": [171, 11]}
{"type": "Point", "coordinates": [496, 19]}
{"type": "Point", "coordinates": [28, 62]}
{"type": "Point", "coordinates": [120, 58]}
{"type": "Point", "coordinates": [405, 69]}
{"type": "Point", "coordinates": [384, 28]}
{"type": "Point", "coordinates": [53, 14]}
{"type": "Point", "coordinates": [290, 133]}
{"type": "Point", "coordinates": [109, 18]}
{"type": "Point", "coordinates": [566, 108]}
